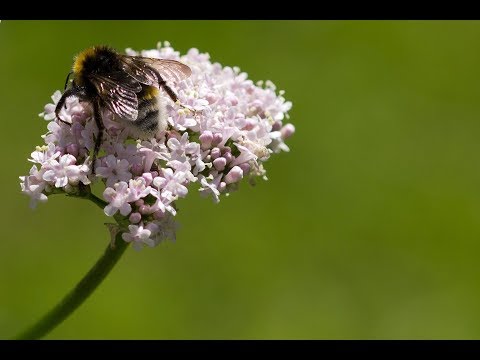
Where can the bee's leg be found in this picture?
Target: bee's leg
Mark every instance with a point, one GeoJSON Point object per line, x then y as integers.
{"type": "Point", "coordinates": [169, 91]}
{"type": "Point", "coordinates": [61, 103]}
{"type": "Point", "coordinates": [174, 96]}
{"type": "Point", "coordinates": [73, 91]}
{"type": "Point", "coordinates": [99, 137]}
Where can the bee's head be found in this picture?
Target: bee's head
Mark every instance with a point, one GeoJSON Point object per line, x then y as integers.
{"type": "Point", "coordinates": [96, 59]}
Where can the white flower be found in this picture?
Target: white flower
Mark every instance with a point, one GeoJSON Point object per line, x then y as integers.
{"type": "Point", "coordinates": [181, 148]}
{"type": "Point", "coordinates": [153, 150]}
{"type": "Point", "coordinates": [44, 154]}
{"type": "Point", "coordinates": [277, 145]}
{"type": "Point", "coordinates": [138, 236]}
{"type": "Point", "coordinates": [33, 186]}
{"type": "Point", "coordinates": [88, 134]}
{"type": "Point", "coordinates": [245, 155]}
{"type": "Point", "coordinates": [138, 189]}
{"type": "Point", "coordinates": [115, 170]}
{"type": "Point", "coordinates": [58, 171]}
{"type": "Point", "coordinates": [70, 112]}
{"type": "Point", "coordinates": [210, 188]}
{"type": "Point", "coordinates": [118, 199]}
{"type": "Point", "coordinates": [59, 134]}
{"type": "Point", "coordinates": [171, 184]}
{"type": "Point", "coordinates": [183, 167]}
{"type": "Point", "coordinates": [49, 111]}
{"type": "Point", "coordinates": [128, 152]}
{"type": "Point", "coordinates": [78, 174]}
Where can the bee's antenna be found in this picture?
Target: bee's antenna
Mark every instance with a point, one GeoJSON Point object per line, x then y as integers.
{"type": "Point", "coordinates": [66, 81]}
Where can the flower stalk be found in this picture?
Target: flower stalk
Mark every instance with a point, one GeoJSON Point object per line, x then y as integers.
{"type": "Point", "coordinates": [79, 293]}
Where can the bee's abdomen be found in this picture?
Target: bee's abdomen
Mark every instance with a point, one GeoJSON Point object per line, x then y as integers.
{"type": "Point", "coordinates": [149, 122]}
{"type": "Point", "coordinates": [151, 117]}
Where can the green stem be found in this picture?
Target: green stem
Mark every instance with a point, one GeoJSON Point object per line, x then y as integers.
{"type": "Point", "coordinates": [79, 293]}
{"type": "Point", "coordinates": [97, 201]}
{"type": "Point", "coordinates": [84, 288]}
{"type": "Point", "coordinates": [87, 195]}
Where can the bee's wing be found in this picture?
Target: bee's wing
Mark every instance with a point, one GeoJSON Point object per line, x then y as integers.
{"type": "Point", "coordinates": [139, 71]}
{"type": "Point", "coordinates": [169, 70]}
{"type": "Point", "coordinates": [118, 92]}
{"type": "Point", "coordinates": [145, 70]}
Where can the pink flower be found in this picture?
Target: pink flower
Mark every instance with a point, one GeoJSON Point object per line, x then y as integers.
{"type": "Point", "coordinates": [59, 170]}
{"type": "Point", "coordinates": [118, 199]}
{"type": "Point", "coordinates": [138, 235]}
{"type": "Point", "coordinates": [33, 186]}
{"type": "Point", "coordinates": [181, 148]}
{"type": "Point", "coordinates": [138, 189]}
{"type": "Point", "coordinates": [171, 184]}
{"type": "Point", "coordinates": [245, 155]}
{"type": "Point", "coordinates": [115, 170]}
{"type": "Point", "coordinates": [45, 154]}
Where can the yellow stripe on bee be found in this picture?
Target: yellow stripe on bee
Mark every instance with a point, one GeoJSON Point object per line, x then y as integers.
{"type": "Point", "coordinates": [80, 59]}
{"type": "Point", "coordinates": [150, 93]}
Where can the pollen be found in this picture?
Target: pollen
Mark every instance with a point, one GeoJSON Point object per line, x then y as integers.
{"type": "Point", "coordinates": [150, 93]}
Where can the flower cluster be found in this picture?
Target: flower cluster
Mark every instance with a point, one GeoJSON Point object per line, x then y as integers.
{"type": "Point", "coordinates": [227, 129]}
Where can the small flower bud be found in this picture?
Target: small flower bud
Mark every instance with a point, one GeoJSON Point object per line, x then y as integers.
{"type": "Point", "coordinates": [277, 125]}
{"type": "Point", "coordinates": [144, 209]}
{"type": "Point", "coordinates": [215, 153]}
{"type": "Point", "coordinates": [234, 175]}
{"type": "Point", "coordinates": [220, 163]}
{"type": "Point", "coordinates": [135, 218]}
{"type": "Point", "coordinates": [206, 139]}
{"type": "Point", "coordinates": [228, 157]}
{"type": "Point", "coordinates": [222, 186]}
{"type": "Point", "coordinates": [211, 98]}
{"type": "Point", "coordinates": [148, 178]}
{"type": "Point", "coordinates": [287, 131]}
{"type": "Point", "coordinates": [139, 202]}
{"type": "Point", "coordinates": [217, 139]}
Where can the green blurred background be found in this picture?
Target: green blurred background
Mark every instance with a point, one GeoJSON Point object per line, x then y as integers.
{"type": "Point", "coordinates": [369, 228]}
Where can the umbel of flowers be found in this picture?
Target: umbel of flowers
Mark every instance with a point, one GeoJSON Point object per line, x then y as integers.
{"type": "Point", "coordinates": [234, 127]}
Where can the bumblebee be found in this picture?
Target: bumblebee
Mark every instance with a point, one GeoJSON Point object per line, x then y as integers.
{"type": "Point", "coordinates": [128, 86]}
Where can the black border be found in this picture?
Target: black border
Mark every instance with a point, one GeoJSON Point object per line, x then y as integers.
{"type": "Point", "coordinates": [230, 347]}
{"type": "Point", "coordinates": [236, 10]}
